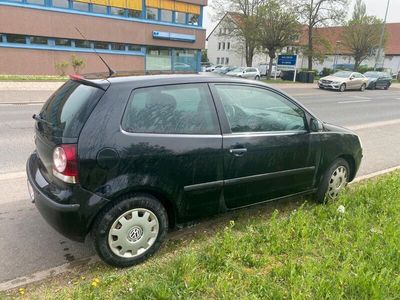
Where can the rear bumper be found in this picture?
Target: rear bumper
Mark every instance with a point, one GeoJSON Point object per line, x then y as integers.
{"type": "Point", "coordinates": [70, 211]}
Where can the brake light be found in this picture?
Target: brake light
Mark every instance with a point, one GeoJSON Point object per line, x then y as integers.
{"type": "Point", "coordinates": [65, 163]}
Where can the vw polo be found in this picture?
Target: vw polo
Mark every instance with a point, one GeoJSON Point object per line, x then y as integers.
{"type": "Point", "coordinates": [126, 158]}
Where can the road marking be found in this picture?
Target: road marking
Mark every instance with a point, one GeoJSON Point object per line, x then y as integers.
{"type": "Point", "coordinates": [12, 175]}
{"type": "Point", "coordinates": [361, 97]}
{"type": "Point", "coordinates": [373, 125]}
{"type": "Point", "coordinates": [353, 101]}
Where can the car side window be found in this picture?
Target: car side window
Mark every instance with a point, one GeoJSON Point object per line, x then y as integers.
{"type": "Point", "coordinates": [173, 109]}
{"type": "Point", "coordinates": [253, 109]}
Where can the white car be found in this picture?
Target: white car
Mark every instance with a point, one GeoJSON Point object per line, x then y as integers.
{"type": "Point", "coordinates": [245, 72]}
{"type": "Point", "coordinates": [212, 68]}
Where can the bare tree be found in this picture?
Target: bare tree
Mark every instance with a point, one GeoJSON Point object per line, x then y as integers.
{"type": "Point", "coordinates": [279, 28]}
{"type": "Point", "coordinates": [317, 13]}
{"type": "Point", "coordinates": [361, 34]}
{"type": "Point", "coordinates": [242, 19]}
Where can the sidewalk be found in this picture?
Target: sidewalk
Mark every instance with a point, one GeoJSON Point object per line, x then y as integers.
{"type": "Point", "coordinates": [26, 92]}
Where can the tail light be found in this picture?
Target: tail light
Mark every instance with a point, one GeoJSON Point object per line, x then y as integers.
{"type": "Point", "coordinates": [65, 164]}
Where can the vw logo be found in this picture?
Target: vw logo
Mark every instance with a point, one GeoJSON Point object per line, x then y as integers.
{"type": "Point", "coordinates": [135, 233]}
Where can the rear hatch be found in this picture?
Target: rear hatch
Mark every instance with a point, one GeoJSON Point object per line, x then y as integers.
{"type": "Point", "coordinates": [62, 118]}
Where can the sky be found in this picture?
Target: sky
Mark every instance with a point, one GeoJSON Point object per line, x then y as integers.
{"type": "Point", "coordinates": [374, 7]}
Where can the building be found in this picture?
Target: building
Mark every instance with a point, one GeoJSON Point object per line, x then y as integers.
{"type": "Point", "coordinates": [226, 49]}
{"type": "Point", "coordinates": [131, 35]}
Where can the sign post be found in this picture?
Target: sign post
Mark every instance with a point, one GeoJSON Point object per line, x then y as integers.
{"type": "Point", "coordinates": [288, 62]}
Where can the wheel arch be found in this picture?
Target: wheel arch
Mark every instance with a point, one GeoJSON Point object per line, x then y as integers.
{"type": "Point", "coordinates": [352, 164]}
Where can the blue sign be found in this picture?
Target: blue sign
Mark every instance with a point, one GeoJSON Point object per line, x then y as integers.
{"type": "Point", "coordinates": [174, 36]}
{"type": "Point", "coordinates": [287, 60]}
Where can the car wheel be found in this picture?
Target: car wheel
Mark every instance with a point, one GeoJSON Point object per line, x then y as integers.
{"type": "Point", "coordinates": [362, 88]}
{"type": "Point", "coordinates": [342, 87]}
{"type": "Point", "coordinates": [387, 86]}
{"type": "Point", "coordinates": [373, 86]}
{"type": "Point", "coordinates": [334, 181]}
{"type": "Point", "coordinates": [129, 231]}
{"type": "Point", "coordinates": [257, 77]}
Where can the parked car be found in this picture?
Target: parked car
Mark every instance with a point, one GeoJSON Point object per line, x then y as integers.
{"type": "Point", "coordinates": [245, 72]}
{"type": "Point", "coordinates": [223, 70]}
{"type": "Point", "coordinates": [378, 80]}
{"type": "Point", "coordinates": [179, 66]}
{"type": "Point", "coordinates": [344, 80]}
{"type": "Point", "coordinates": [264, 70]}
{"type": "Point", "coordinates": [213, 67]}
{"type": "Point", "coordinates": [127, 158]}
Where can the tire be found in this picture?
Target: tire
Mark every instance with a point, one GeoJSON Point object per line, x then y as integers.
{"type": "Point", "coordinates": [257, 77]}
{"type": "Point", "coordinates": [139, 237]}
{"type": "Point", "coordinates": [333, 181]}
{"type": "Point", "coordinates": [362, 88]}
{"type": "Point", "coordinates": [387, 86]}
{"type": "Point", "coordinates": [373, 87]}
{"type": "Point", "coordinates": [342, 87]}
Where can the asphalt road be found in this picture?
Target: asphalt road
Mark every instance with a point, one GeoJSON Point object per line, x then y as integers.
{"type": "Point", "coordinates": [29, 245]}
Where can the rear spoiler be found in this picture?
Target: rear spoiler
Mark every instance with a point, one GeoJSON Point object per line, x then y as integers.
{"type": "Point", "coordinates": [83, 80]}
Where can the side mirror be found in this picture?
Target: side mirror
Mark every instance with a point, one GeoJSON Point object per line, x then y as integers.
{"type": "Point", "coordinates": [351, 77]}
{"type": "Point", "coordinates": [316, 125]}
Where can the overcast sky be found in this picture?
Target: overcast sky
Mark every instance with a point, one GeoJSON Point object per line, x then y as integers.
{"type": "Point", "coordinates": [374, 7]}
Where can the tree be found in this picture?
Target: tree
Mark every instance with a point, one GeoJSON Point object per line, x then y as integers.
{"type": "Point", "coordinates": [204, 57]}
{"type": "Point", "coordinates": [77, 64]}
{"type": "Point", "coordinates": [316, 13]}
{"type": "Point", "coordinates": [241, 18]}
{"type": "Point", "coordinates": [61, 67]}
{"type": "Point", "coordinates": [279, 28]}
{"type": "Point", "coordinates": [361, 34]}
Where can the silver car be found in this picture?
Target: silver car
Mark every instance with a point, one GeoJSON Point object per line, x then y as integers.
{"type": "Point", "coordinates": [344, 80]}
{"type": "Point", "coordinates": [245, 72]}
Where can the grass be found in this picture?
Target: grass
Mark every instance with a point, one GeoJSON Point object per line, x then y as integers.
{"type": "Point", "coordinates": [32, 78]}
{"type": "Point", "coordinates": [308, 252]}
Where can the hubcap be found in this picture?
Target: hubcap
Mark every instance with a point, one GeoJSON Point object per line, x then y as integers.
{"type": "Point", "coordinates": [133, 233]}
{"type": "Point", "coordinates": [337, 182]}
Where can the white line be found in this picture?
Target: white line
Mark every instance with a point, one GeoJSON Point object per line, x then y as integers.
{"type": "Point", "coordinates": [13, 175]}
{"type": "Point", "coordinates": [354, 101]}
{"type": "Point", "coordinates": [361, 97]}
{"type": "Point", "coordinates": [373, 125]}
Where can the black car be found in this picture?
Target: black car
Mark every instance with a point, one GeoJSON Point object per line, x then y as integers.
{"type": "Point", "coordinates": [380, 80]}
{"type": "Point", "coordinates": [127, 158]}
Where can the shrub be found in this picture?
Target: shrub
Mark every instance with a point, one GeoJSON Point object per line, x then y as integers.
{"type": "Point", "coordinates": [61, 67]}
{"type": "Point", "coordinates": [78, 64]}
{"type": "Point", "coordinates": [326, 71]}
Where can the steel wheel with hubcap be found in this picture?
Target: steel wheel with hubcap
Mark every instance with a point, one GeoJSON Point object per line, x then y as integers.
{"type": "Point", "coordinates": [129, 231]}
{"type": "Point", "coordinates": [334, 181]}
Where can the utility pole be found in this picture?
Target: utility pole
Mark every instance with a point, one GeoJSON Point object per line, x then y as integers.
{"type": "Point", "coordinates": [378, 53]}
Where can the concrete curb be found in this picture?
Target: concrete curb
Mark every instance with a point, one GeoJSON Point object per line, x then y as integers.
{"type": "Point", "coordinates": [41, 275]}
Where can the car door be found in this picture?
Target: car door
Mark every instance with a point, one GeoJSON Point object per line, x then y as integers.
{"type": "Point", "coordinates": [267, 148]}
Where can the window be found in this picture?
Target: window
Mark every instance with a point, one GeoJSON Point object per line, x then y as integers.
{"type": "Point", "coordinates": [60, 3]}
{"type": "Point", "coordinates": [219, 46]}
{"type": "Point", "coordinates": [38, 40]}
{"type": "Point", "coordinates": [117, 11]}
{"type": "Point", "coordinates": [152, 13]}
{"type": "Point", "coordinates": [101, 45]}
{"type": "Point", "coordinates": [82, 44]}
{"type": "Point", "coordinates": [185, 60]}
{"type": "Point", "coordinates": [174, 109]}
{"type": "Point", "coordinates": [180, 17]}
{"type": "Point", "coordinates": [62, 42]}
{"type": "Point", "coordinates": [117, 46]}
{"type": "Point", "coordinates": [134, 48]}
{"type": "Point", "coordinates": [228, 46]}
{"type": "Point", "coordinates": [222, 60]}
{"type": "Point", "coordinates": [159, 59]}
{"type": "Point", "coordinates": [16, 39]}
{"type": "Point", "coordinates": [217, 60]}
{"type": "Point", "coordinates": [251, 109]}
{"type": "Point", "coordinates": [37, 2]}
{"type": "Point", "coordinates": [134, 13]}
{"type": "Point", "coordinates": [193, 19]}
{"type": "Point", "coordinates": [166, 15]}
{"type": "Point", "coordinates": [99, 9]}
{"type": "Point", "coordinates": [223, 46]}
{"type": "Point", "coordinates": [80, 6]}
{"type": "Point", "coordinates": [227, 60]}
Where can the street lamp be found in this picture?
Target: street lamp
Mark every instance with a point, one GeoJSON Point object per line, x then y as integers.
{"type": "Point", "coordinates": [335, 58]}
{"type": "Point", "coordinates": [378, 53]}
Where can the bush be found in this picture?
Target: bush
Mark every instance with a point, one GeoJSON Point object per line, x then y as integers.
{"type": "Point", "coordinates": [61, 67]}
{"type": "Point", "coordinates": [78, 64]}
{"type": "Point", "coordinates": [326, 71]}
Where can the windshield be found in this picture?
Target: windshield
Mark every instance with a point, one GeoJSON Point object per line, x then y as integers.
{"type": "Point", "coordinates": [342, 74]}
{"type": "Point", "coordinates": [372, 74]}
{"type": "Point", "coordinates": [67, 110]}
{"type": "Point", "coordinates": [238, 70]}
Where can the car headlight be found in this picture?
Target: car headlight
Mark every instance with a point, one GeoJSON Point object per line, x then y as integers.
{"type": "Point", "coordinates": [336, 82]}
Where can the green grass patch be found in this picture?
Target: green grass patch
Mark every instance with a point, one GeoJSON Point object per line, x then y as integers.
{"type": "Point", "coordinates": [32, 78]}
{"type": "Point", "coordinates": [308, 251]}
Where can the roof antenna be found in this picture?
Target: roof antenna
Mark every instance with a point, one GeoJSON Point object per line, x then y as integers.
{"type": "Point", "coordinates": [111, 72]}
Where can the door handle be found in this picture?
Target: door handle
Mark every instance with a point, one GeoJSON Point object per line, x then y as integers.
{"type": "Point", "coordinates": [238, 151]}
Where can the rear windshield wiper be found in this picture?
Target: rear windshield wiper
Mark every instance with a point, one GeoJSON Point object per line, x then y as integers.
{"type": "Point", "coordinates": [40, 119]}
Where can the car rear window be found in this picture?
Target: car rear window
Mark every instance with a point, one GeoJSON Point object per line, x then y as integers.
{"type": "Point", "coordinates": [67, 110]}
